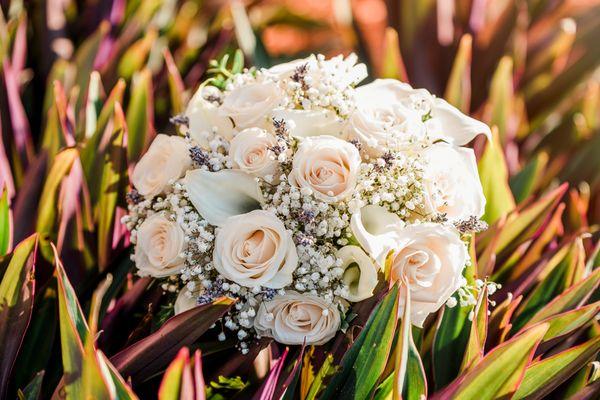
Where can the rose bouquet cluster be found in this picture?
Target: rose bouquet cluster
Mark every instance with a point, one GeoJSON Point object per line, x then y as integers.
{"type": "Point", "coordinates": [298, 193]}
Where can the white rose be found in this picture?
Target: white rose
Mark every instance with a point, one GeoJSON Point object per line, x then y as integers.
{"type": "Point", "coordinates": [326, 165]}
{"type": "Point", "coordinates": [250, 152]}
{"type": "Point", "coordinates": [360, 274]}
{"type": "Point", "coordinates": [429, 260]}
{"type": "Point", "coordinates": [295, 318]}
{"type": "Point", "coordinates": [159, 247]}
{"type": "Point", "coordinates": [442, 120]}
{"type": "Point", "coordinates": [452, 182]}
{"type": "Point", "coordinates": [255, 249]}
{"type": "Point", "coordinates": [186, 300]}
{"type": "Point", "coordinates": [166, 160]}
{"type": "Point", "coordinates": [250, 105]}
{"type": "Point", "coordinates": [381, 121]}
{"type": "Point", "coordinates": [204, 118]}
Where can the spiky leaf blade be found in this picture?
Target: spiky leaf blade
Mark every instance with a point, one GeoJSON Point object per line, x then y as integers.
{"type": "Point", "coordinates": [16, 304]}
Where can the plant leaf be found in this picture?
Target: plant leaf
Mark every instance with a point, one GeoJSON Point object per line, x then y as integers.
{"type": "Point", "coordinates": [33, 389]}
{"type": "Point", "coordinates": [16, 304]}
{"type": "Point", "coordinates": [449, 343]}
{"type": "Point", "coordinates": [493, 174]}
{"type": "Point", "coordinates": [170, 385]}
{"type": "Point", "coordinates": [500, 372]}
{"type": "Point", "coordinates": [545, 375]}
{"type": "Point", "coordinates": [148, 356]}
{"type": "Point", "coordinates": [140, 116]}
{"type": "Point", "coordinates": [402, 346]}
{"type": "Point", "coordinates": [555, 278]}
{"type": "Point", "coordinates": [569, 321]}
{"type": "Point", "coordinates": [112, 187]}
{"type": "Point", "coordinates": [392, 66]}
{"type": "Point", "coordinates": [571, 298]}
{"type": "Point", "coordinates": [83, 377]}
{"type": "Point", "coordinates": [500, 107]}
{"type": "Point", "coordinates": [48, 205]}
{"type": "Point", "coordinates": [458, 88]}
{"type": "Point", "coordinates": [525, 182]}
{"type": "Point", "coordinates": [478, 333]}
{"type": "Point", "coordinates": [366, 359]}
{"type": "Point", "coordinates": [6, 224]}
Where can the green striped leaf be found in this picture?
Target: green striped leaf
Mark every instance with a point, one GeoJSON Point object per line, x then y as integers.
{"type": "Point", "coordinates": [365, 361]}
{"type": "Point", "coordinates": [5, 223]}
{"type": "Point", "coordinates": [545, 375]}
{"type": "Point", "coordinates": [16, 304]}
{"type": "Point", "coordinates": [500, 372]}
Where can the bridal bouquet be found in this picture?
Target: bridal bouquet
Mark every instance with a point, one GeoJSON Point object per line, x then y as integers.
{"type": "Point", "coordinates": [298, 193]}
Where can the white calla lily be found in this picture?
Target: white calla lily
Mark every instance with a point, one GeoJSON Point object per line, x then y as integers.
{"type": "Point", "coordinates": [374, 228]}
{"type": "Point", "coordinates": [360, 274]}
{"type": "Point", "coordinates": [305, 123]}
{"type": "Point", "coordinates": [222, 194]}
{"type": "Point", "coordinates": [454, 126]}
{"type": "Point", "coordinates": [186, 300]}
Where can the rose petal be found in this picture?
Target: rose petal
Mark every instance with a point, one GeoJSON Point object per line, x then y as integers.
{"type": "Point", "coordinates": [374, 227]}
{"type": "Point", "coordinates": [203, 117]}
{"type": "Point", "coordinates": [223, 194]}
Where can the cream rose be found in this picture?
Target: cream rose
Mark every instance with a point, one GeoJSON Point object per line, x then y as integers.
{"type": "Point", "coordinates": [327, 166]}
{"type": "Point", "coordinates": [204, 118]}
{"type": "Point", "coordinates": [441, 120]}
{"type": "Point", "coordinates": [250, 152]}
{"type": "Point", "coordinates": [295, 318]}
{"type": "Point", "coordinates": [429, 260]}
{"type": "Point", "coordinates": [250, 105]}
{"type": "Point", "coordinates": [159, 245]}
{"type": "Point", "coordinates": [381, 121]}
{"type": "Point", "coordinates": [255, 249]}
{"type": "Point", "coordinates": [166, 160]}
{"type": "Point", "coordinates": [452, 182]}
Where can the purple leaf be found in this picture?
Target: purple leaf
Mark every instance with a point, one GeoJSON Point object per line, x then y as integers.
{"type": "Point", "coordinates": [150, 355]}
{"type": "Point", "coordinates": [18, 118]}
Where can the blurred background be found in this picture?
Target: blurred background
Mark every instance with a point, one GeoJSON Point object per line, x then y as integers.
{"type": "Point", "coordinates": [85, 85]}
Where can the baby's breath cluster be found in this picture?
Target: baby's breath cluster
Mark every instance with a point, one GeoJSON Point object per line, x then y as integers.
{"type": "Point", "coordinates": [297, 193]}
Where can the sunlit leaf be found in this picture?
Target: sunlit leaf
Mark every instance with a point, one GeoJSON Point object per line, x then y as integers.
{"type": "Point", "coordinates": [16, 304]}
{"type": "Point", "coordinates": [112, 187]}
{"type": "Point", "coordinates": [458, 88]}
{"type": "Point", "coordinates": [500, 372]}
{"type": "Point", "coordinates": [140, 116]}
{"type": "Point", "coordinates": [478, 333]}
{"type": "Point", "coordinates": [543, 376]}
{"type": "Point", "coordinates": [6, 224]}
{"type": "Point", "coordinates": [494, 179]}
{"type": "Point", "coordinates": [366, 359]}
{"type": "Point", "coordinates": [571, 298]}
{"type": "Point", "coordinates": [392, 65]}
{"type": "Point", "coordinates": [48, 206]}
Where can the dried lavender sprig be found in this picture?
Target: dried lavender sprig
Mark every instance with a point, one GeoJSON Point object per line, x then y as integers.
{"type": "Point", "coordinates": [180, 119]}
